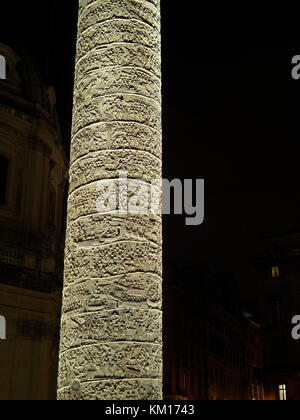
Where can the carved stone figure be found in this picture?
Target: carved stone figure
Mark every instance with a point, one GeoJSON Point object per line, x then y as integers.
{"type": "Point", "coordinates": [111, 335]}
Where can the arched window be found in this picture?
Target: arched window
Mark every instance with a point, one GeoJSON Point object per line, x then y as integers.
{"type": "Point", "coordinates": [4, 165]}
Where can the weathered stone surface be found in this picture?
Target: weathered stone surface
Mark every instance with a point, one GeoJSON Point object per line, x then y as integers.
{"type": "Point", "coordinates": [116, 55]}
{"type": "Point", "coordinates": [108, 165]}
{"type": "Point", "coordinates": [103, 10]}
{"type": "Point", "coordinates": [83, 201]}
{"type": "Point", "coordinates": [125, 107]}
{"type": "Point", "coordinates": [111, 326]}
{"type": "Point", "coordinates": [116, 136]}
{"type": "Point", "coordinates": [116, 81]}
{"type": "Point", "coordinates": [111, 335]}
{"type": "Point", "coordinates": [110, 360]}
{"type": "Point", "coordinates": [135, 389]}
{"type": "Point", "coordinates": [137, 290]}
{"type": "Point", "coordinates": [119, 30]}
{"type": "Point", "coordinates": [85, 4]}
{"type": "Point", "coordinates": [108, 228]}
{"type": "Point", "coordinates": [111, 260]}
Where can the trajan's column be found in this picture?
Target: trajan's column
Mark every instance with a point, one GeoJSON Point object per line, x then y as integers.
{"type": "Point", "coordinates": [111, 336]}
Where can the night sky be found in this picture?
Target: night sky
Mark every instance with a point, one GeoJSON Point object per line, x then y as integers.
{"type": "Point", "coordinates": [231, 114]}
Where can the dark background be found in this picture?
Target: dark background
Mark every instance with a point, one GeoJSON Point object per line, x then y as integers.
{"type": "Point", "coordinates": [231, 114]}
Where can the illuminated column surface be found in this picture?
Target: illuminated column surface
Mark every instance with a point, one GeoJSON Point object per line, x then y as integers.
{"type": "Point", "coordinates": [111, 335]}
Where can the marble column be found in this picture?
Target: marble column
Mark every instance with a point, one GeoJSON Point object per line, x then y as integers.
{"type": "Point", "coordinates": [111, 331]}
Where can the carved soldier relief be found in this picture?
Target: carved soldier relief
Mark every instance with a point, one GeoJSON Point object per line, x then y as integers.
{"type": "Point", "coordinates": [111, 337]}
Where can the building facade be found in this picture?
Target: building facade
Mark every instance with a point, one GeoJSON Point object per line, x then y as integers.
{"type": "Point", "coordinates": [33, 171]}
{"type": "Point", "coordinates": [278, 298]}
{"type": "Point", "coordinates": [213, 351]}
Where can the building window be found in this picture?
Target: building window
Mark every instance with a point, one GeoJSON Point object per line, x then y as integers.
{"type": "Point", "coordinates": [282, 392]}
{"type": "Point", "coordinates": [4, 165]}
{"type": "Point", "coordinates": [275, 272]}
